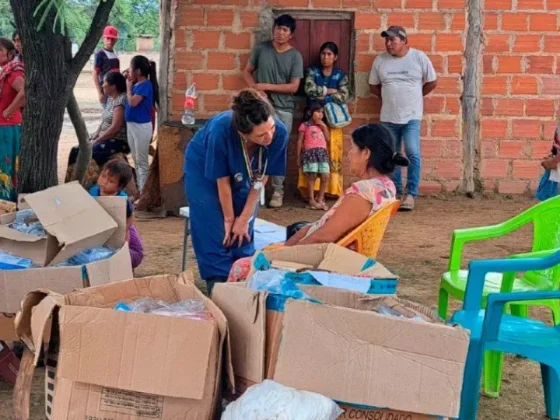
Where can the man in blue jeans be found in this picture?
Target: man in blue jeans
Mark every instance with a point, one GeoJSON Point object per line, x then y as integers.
{"type": "Point", "coordinates": [401, 77]}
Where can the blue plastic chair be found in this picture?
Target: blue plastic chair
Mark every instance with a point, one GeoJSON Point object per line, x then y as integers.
{"type": "Point", "coordinates": [493, 330]}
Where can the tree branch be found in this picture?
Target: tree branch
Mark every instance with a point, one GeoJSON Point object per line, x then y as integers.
{"type": "Point", "coordinates": [84, 141]}
{"type": "Point", "coordinates": [92, 38]}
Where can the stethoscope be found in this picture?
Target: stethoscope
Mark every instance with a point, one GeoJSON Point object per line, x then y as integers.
{"type": "Point", "coordinates": [256, 177]}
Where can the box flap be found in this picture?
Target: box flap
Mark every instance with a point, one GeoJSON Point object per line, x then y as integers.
{"type": "Point", "coordinates": [7, 327]}
{"type": "Point", "coordinates": [15, 235]}
{"type": "Point", "coordinates": [364, 358]}
{"type": "Point", "coordinates": [342, 260]}
{"type": "Point", "coordinates": [14, 285]}
{"type": "Point", "coordinates": [110, 270]}
{"type": "Point", "coordinates": [135, 351]}
{"type": "Point", "coordinates": [245, 311]}
{"type": "Point", "coordinates": [116, 208]}
{"type": "Point", "coordinates": [73, 217]}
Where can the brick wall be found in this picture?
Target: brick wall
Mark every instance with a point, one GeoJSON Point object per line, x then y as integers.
{"type": "Point", "coordinates": [213, 39]}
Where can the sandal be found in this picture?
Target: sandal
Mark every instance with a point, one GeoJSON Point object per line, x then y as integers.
{"type": "Point", "coordinates": [314, 206]}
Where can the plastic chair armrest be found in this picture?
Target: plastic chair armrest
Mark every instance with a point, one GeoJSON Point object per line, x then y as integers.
{"type": "Point", "coordinates": [535, 254]}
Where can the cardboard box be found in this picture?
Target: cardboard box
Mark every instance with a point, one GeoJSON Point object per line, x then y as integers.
{"type": "Point", "coordinates": [15, 284]}
{"type": "Point", "coordinates": [346, 351]}
{"type": "Point", "coordinates": [128, 366]}
{"type": "Point", "coordinates": [73, 220]}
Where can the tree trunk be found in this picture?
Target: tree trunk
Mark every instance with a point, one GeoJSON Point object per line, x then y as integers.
{"type": "Point", "coordinates": [84, 140]}
{"type": "Point", "coordinates": [50, 76]}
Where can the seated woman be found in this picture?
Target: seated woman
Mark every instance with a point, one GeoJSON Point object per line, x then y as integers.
{"type": "Point", "coordinates": [372, 159]}
{"type": "Point", "coordinates": [110, 137]}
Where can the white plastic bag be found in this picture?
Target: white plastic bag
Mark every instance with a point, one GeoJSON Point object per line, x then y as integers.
{"type": "Point", "coordinates": [272, 401]}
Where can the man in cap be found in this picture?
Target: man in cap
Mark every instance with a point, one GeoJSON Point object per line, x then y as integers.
{"type": "Point", "coordinates": [106, 60]}
{"type": "Point", "coordinates": [401, 77]}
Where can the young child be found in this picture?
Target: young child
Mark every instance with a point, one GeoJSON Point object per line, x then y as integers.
{"type": "Point", "coordinates": [313, 155]}
{"type": "Point", "coordinates": [113, 178]}
{"type": "Point", "coordinates": [143, 96]}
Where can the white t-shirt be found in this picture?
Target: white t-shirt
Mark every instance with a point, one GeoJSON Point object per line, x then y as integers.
{"type": "Point", "coordinates": [401, 80]}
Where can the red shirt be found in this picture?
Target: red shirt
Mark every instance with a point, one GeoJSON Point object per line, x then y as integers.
{"type": "Point", "coordinates": [7, 97]}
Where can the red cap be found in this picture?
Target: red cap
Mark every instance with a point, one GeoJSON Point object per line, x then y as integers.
{"type": "Point", "coordinates": [111, 32]}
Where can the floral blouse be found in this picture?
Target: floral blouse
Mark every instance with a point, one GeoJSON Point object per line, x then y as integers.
{"type": "Point", "coordinates": [378, 191]}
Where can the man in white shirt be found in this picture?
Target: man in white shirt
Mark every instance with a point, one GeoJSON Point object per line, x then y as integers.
{"type": "Point", "coordinates": [401, 77]}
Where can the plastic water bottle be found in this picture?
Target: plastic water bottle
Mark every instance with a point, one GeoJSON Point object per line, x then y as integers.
{"type": "Point", "coordinates": [190, 98]}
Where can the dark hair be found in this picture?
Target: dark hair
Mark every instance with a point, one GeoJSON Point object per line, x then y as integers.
{"type": "Point", "coordinates": [14, 34]}
{"type": "Point", "coordinates": [8, 45]}
{"type": "Point", "coordinates": [147, 69]}
{"type": "Point", "coordinates": [311, 108]}
{"type": "Point", "coordinates": [117, 167]}
{"type": "Point", "coordinates": [287, 21]}
{"type": "Point", "coordinates": [250, 110]}
{"type": "Point", "coordinates": [114, 78]}
{"type": "Point", "coordinates": [381, 143]}
{"type": "Point", "coordinates": [329, 45]}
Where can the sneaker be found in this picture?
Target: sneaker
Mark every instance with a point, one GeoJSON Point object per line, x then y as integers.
{"type": "Point", "coordinates": [408, 203]}
{"type": "Point", "coordinates": [276, 201]}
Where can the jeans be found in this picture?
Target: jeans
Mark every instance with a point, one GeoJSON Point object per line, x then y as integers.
{"type": "Point", "coordinates": [288, 119]}
{"type": "Point", "coordinates": [408, 133]}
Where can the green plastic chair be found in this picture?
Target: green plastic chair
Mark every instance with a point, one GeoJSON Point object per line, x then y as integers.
{"type": "Point", "coordinates": [545, 218]}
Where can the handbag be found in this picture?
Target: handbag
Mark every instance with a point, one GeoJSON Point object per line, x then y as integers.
{"type": "Point", "coordinates": [337, 115]}
{"type": "Point", "coordinates": [547, 188]}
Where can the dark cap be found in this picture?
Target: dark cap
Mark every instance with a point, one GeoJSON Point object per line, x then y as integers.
{"type": "Point", "coordinates": [393, 32]}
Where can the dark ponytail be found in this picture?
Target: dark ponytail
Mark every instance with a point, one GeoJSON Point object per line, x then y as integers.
{"type": "Point", "coordinates": [153, 79]}
{"type": "Point", "coordinates": [250, 110]}
{"type": "Point", "coordinates": [147, 69]}
{"type": "Point", "coordinates": [379, 140]}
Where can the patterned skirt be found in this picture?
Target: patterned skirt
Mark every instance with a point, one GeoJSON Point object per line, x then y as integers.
{"type": "Point", "coordinates": [10, 146]}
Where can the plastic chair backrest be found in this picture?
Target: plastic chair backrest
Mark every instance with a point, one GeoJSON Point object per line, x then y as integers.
{"type": "Point", "coordinates": [366, 238]}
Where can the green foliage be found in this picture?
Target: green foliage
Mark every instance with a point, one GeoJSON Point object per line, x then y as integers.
{"type": "Point", "coordinates": [7, 25]}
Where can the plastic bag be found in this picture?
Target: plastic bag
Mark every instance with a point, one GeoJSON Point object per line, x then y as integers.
{"type": "Point", "coordinates": [31, 228]}
{"type": "Point", "coordinates": [272, 401]}
{"type": "Point", "coordinates": [13, 262]}
{"type": "Point", "coordinates": [547, 188]}
{"type": "Point", "coordinates": [385, 310]}
{"type": "Point", "coordinates": [88, 256]}
{"type": "Point", "coordinates": [188, 308]}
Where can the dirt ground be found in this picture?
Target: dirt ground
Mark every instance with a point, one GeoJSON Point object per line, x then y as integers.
{"type": "Point", "coordinates": [415, 247]}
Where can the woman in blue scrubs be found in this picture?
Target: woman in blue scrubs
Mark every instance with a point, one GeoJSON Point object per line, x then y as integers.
{"type": "Point", "coordinates": [227, 163]}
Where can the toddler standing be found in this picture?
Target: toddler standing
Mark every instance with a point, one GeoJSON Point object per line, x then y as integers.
{"type": "Point", "coordinates": [313, 155]}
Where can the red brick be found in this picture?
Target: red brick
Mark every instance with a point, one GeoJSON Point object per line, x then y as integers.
{"type": "Point", "coordinates": [180, 39]}
{"type": "Point", "coordinates": [487, 64]}
{"type": "Point", "coordinates": [349, 4]}
{"type": "Point", "coordinates": [433, 105]}
{"type": "Point", "coordinates": [537, 64]}
{"type": "Point", "coordinates": [526, 129]}
{"type": "Point", "coordinates": [490, 21]}
{"type": "Point", "coordinates": [428, 20]}
{"type": "Point", "coordinates": [494, 85]}
{"type": "Point", "coordinates": [249, 19]}
{"type": "Point", "coordinates": [219, 18]}
{"type": "Point", "coordinates": [418, 4]}
{"type": "Point", "coordinates": [509, 64]}
{"type": "Point", "coordinates": [540, 108]}
{"type": "Point", "coordinates": [511, 149]}
{"type": "Point", "coordinates": [421, 42]}
{"type": "Point", "coordinates": [378, 43]}
{"type": "Point", "coordinates": [444, 128]}
{"type": "Point", "coordinates": [512, 187]}
{"type": "Point", "coordinates": [446, 169]}
{"type": "Point", "coordinates": [206, 40]}
{"type": "Point", "coordinates": [368, 106]}
{"type": "Point", "coordinates": [497, 43]}
{"type": "Point", "coordinates": [451, 4]}
{"type": "Point", "coordinates": [387, 4]}
{"type": "Point", "coordinates": [189, 17]}
{"type": "Point", "coordinates": [489, 149]}
{"type": "Point", "coordinates": [455, 64]}
{"type": "Point", "coordinates": [451, 186]}
{"type": "Point", "coordinates": [510, 107]}
{"type": "Point", "coordinates": [363, 62]}
{"type": "Point", "coordinates": [496, 129]}
{"type": "Point", "coordinates": [487, 107]}
{"type": "Point", "coordinates": [177, 100]}
{"type": "Point", "coordinates": [431, 148]}
{"type": "Point", "coordinates": [448, 85]}
{"type": "Point", "coordinates": [241, 41]}
{"type": "Point", "coordinates": [452, 106]}
{"type": "Point", "coordinates": [498, 4]}
{"type": "Point", "coordinates": [430, 187]}
{"type": "Point", "coordinates": [367, 21]}
{"type": "Point", "coordinates": [216, 102]}
{"type": "Point", "coordinates": [551, 86]}
{"type": "Point", "coordinates": [515, 21]}
{"type": "Point", "coordinates": [233, 82]}
{"type": "Point", "coordinates": [523, 85]}
{"type": "Point", "coordinates": [452, 149]}
{"type": "Point", "coordinates": [188, 60]}
{"type": "Point", "coordinates": [449, 42]}
{"type": "Point", "coordinates": [492, 168]}
{"type": "Point", "coordinates": [527, 43]}
{"type": "Point", "coordinates": [243, 59]}
{"type": "Point", "coordinates": [549, 127]}
{"type": "Point", "coordinates": [458, 22]}
{"type": "Point", "coordinates": [221, 61]}
{"type": "Point", "coordinates": [326, 3]}
{"type": "Point", "coordinates": [553, 5]}
{"type": "Point", "coordinates": [206, 81]}
{"type": "Point", "coordinates": [526, 169]}
{"type": "Point", "coordinates": [540, 148]}
{"type": "Point", "coordinates": [288, 3]}
{"type": "Point", "coordinates": [543, 22]}
{"type": "Point", "coordinates": [437, 61]}
{"type": "Point", "coordinates": [530, 4]}
{"type": "Point", "coordinates": [363, 42]}
{"type": "Point", "coordinates": [552, 43]}
{"type": "Point", "coordinates": [405, 20]}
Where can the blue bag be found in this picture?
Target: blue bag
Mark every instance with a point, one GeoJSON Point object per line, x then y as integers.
{"type": "Point", "coordinates": [547, 188]}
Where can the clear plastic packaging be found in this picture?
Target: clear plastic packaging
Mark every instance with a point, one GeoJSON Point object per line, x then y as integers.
{"type": "Point", "coordinates": [88, 256]}
{"type": "Point", "coordinates": [277, 282]}
{"type": "Point", "coordinates": [13, 262]}
{"type": "Point", "coordinates": [188, 308]}
{"type": "Point", "coordinates": [385, 310]}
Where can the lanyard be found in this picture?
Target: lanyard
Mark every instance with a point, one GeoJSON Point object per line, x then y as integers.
{"type": "Point", "coordinates": [255, 177]}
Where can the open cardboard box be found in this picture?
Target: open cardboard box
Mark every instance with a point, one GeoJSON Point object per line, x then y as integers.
{"type": "Point", "coordinates": [123, 365]}
{"type": "Point", "coordinates": [15, 284]}
{"type": "Point", "coordinates": [347, 351]}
